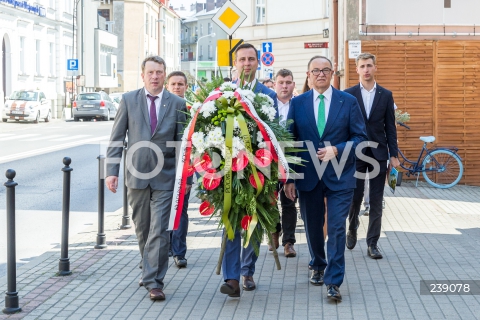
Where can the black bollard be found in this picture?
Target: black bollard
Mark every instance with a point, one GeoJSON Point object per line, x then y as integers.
{"type": "Point", "coordinates": [11, 296]}
{"type": "Point", "coordinates": [64, 263]}
{"type": "Point", "coordinates": [101, 238]}
{"type": "Point", "coordinates": [125, 217]}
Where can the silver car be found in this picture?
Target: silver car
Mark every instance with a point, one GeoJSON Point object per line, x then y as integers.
{"type": "Point", "coordinates": [90, 105]}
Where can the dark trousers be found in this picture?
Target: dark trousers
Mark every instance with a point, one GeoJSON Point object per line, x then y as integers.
{"type": "Point", "coordinates": [288, 218]}
{"type": "Point", "coordinates": [312, 208]}
{"type": "Point", "coordinates": [179, 236]}
{"type": "Point", "coordinates": [377, 185]}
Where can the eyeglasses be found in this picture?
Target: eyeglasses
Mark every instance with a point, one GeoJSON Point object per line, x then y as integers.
{"type": "Point", "coordinates": [325, 71]}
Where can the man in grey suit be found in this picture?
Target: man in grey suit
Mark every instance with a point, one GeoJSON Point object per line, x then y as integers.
{"type": "Point", "coordinates": [151, 118]}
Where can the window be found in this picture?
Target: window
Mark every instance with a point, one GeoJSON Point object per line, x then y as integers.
{"type": "Point", "coordinates": [201, 30]}
{"type": "Point", "coordinates": [38, 58]}
{"type": "Point", "coordinates": [68, 6]}
{"type": "Point", "coordinates": [146, 23]}
{"type": "Point", "coordinates": [52, 59]}
{"type": "Point", "coordinates": [260, 11]}
{"type": "Point", "coordinates": [42, 96]}
{"type": "Point", "coordinates": [106, 60]}
{"type": "Point", "coordinates": [104, 13]}
{"type": "Point", "coordinates": [152, 26]}
{"type": "Point", "coordinates": [210, 52]}
{"type": "Point", "coordinates": [22, 55]}
{"type": "Point", "coordinates": [201, 52]}
{"type": "Point", "coordinates": [210, 28]}
{"type": "Point", "coordinates": [68, 52]}
{"type": "Point", "coordinates": [196, 31]}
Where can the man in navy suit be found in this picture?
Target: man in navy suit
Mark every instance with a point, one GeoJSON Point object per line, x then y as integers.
{"type": "Point", "coordinates": [378, 113]}
{"type": "Point", "coordinates": [237, 260]}
{"type": "Point", "coordinates": [327, 120]}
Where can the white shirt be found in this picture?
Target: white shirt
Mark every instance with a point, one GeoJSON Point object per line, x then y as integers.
{"type": "Point", "coordinates": [283, 110]}
{"type": "Point", "coordinates": [368, 97]}
{"type": "Point", "coordinates": [327, 100]}
{"type": "Point", "coordinates": [158, 101]}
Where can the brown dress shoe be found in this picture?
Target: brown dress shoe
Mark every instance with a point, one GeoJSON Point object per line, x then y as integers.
{"type": "Point", "coordinates": [248, 283]}
{"type": "Point", "coordinates": [289, 250]}
{"type": "Point", "coordinates": [275, 237]}
{"type": "Point", "coordinates": [140, 282]}
{"type": "Point", "coordinates": [231, 288]}
{"type": "Point", "coordinates": [157, 294]}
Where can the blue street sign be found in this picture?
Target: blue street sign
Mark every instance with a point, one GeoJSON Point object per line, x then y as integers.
{"type": "Point", "coordinates": [267, 47]}
{"type": "Point", "coordinates": [258, 57]}
{"type": "Point", "coordinates": [72, 64]}
{"type": "Point", "coordinates": [267, 59]}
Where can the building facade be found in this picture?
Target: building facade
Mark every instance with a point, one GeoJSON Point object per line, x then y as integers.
{"type": "Point", "coordinates": [36, 41]}
{"type": "Point", "coordinates": [427, 55]}
{"type": "Point", "coordinates": [144, 28]}
{"type": "Point", "coordinates": [297, 32]}
{"type": "Point", "coordinates": [197, 26]}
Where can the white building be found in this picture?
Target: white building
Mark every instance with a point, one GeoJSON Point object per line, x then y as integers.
{"type": "Point", "coordinates": [36, 41]}
{"type": "Point", "coordinates": [297, 30]}
{"type": "Point", "coordinates": [196, 29]}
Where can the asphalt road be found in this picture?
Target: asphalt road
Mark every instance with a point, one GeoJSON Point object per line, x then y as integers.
{"type": "Point", "coordinates": [35, 152]}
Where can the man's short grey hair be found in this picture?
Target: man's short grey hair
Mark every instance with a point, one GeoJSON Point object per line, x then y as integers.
{"type": "Point", "coordinates": [156, 59]}
{"type": "Point", "coordinates": [319, 57]}
{"type": "Point", "coordinates": [366, 56]}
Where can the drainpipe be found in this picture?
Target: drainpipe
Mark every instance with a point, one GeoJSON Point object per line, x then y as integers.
{"type": "Point", "coordinates": [336, 77]}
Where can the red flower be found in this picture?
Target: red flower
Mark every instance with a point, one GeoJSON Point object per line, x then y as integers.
{"type": "Point", "coordinates": [274, 198]}
{"type": "Point", "coordinates": [190, 170]}
{"type": "Point", "coordinates": [197, 164]}
{"type": "Point", "coordinates": [211, 180]}
{"type": "Point", "coordinates": [246, 222]}
{"type": "Point", "coordinates": [240, 162]}
{"type": "Point", "coordinates": [206, 208]}
{"type": "Point", "coordinates": [263, 158]}
{"type": "Point", "coordinates": [252, 180]}
{"type": "Point", "coordinates": [204, 164]}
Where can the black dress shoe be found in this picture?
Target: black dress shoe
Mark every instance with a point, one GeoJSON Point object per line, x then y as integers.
{"type": "Point", "coordinates": [170, 253]}
{"type": "Point", "coordinates": [231, 287]}
{"type": "Point", "coordinates": [351, 239]}
{"type": "Point", "coordinates": [180, 261]}
{"type": "Point", "coordinates": [317, 277]}
{"type": "Point", "coordinates": [374, 252]}
{"type": "Point", "coordinates": [248, 283]}
{"type": "Point", "coordinates": [333, 293]}
{"type": "Point", "coordinates": [140, 282]}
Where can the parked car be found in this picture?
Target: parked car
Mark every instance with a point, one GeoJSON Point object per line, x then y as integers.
{"type": "Point", "coordinates": [116, 98]}
{"type": "Point", "coordinates": [89, 105]}
{"type": "Point", "coordinates": [28, 105]}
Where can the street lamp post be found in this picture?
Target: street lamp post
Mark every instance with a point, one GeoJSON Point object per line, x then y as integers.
{"type": "Point", "coordinates": [196, 55]}
{"type": "Point", "coordinates": [138, 50]}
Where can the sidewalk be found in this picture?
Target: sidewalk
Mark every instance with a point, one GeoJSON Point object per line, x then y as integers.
{"type": "Point", "coordinates": [428, 234]}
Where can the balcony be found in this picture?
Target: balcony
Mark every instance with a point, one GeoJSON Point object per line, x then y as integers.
{"type": "Point", "coordinates": [189, 40]}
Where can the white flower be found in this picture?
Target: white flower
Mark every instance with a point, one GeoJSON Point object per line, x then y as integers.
{"type": "Point", "coordinates": [228, 95]}
{"type": "Point", "coordinates": [246, 94]}
{"type": "Point", "coordinates": [267, 98]}
{"type": "Point", "coordinates": [198, 141]}
{"type": "Point", "coordinates": [215, 138]}
{"type": "Point", "coordinates": [208, 108]}
{"type": "Point", "coordinates": [235, 123]}
{"type": "Point", "coordinates": [228, 86]}
{"type": "Point", "coordinates": [270, 112]}
{"type": "Point", "coordinates": [259, 137]}
{"type": "Point", "coordinates": [237, 146]}
{"type": "Point", "coordinates": [194, 108]}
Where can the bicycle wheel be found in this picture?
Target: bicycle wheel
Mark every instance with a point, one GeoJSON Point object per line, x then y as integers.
{"type": "Point", "coordinates": [444, 169]}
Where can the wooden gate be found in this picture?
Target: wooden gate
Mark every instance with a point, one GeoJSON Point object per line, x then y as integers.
{"type": "Point", "coordinates": [437, 83]}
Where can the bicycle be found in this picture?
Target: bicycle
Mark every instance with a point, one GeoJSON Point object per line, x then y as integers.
{"type": "Point", "coordinates": [441, 167]}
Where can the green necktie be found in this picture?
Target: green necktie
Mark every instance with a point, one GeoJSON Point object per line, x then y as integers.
{"type": "Point", "coordinates": [321, 115]}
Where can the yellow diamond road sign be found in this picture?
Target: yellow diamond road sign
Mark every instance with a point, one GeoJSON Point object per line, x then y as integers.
{"type": "Point", "coordinates": [229, 17]}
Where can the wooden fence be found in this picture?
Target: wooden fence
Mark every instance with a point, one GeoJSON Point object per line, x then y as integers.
{"type": "Point", "coordinates": [437, 83]}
